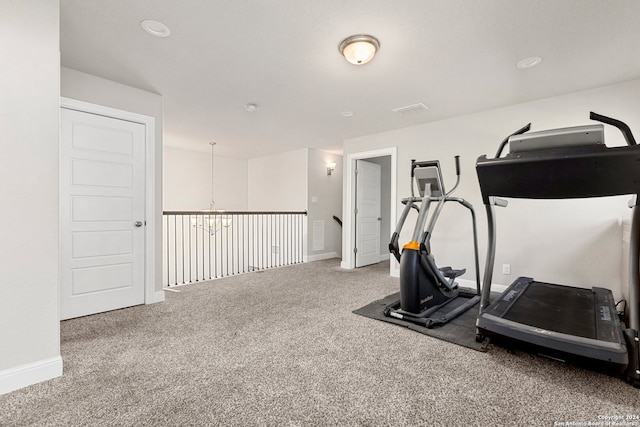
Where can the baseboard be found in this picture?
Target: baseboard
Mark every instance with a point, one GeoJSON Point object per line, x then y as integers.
{"type": "Point", "coordinates": [31, 373]}
{"type": "Point", "coordinates": [498, 288]}
{"type": "Point", "coordinates": [320, 257]}
{"type": "Point", "coordinates": [463, 283]}
{"type": "Point", "coordinates": [395, 272]}
{"type": "Point", "coordinates": [471, 284]}
{"type": "Point", "coordinates": [156, 296]}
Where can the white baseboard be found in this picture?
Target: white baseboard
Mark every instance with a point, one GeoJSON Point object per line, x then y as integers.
{"type": "Point", "coordinates": [383, 257]}
{"type": "Point", "coordinates": [31, 373]}
{"type": "Point", "coordinates": [498, 288]}
{"type": "Point", "coordinates": [320, 257]}
{"type": "Point", "coordinates": [156, 296]}
{"type": "Point", "coordinates": [395, 272]}
{"type": "Point", "coordinates": [463, 283]}
{"type": "Point", "coordinates": [471, 284]}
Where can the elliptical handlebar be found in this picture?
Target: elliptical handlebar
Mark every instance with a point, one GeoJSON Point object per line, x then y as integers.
{"type": "Point", "coordinates": [457, 160]}
{"type": "Point", "coordinates": [413, 162]}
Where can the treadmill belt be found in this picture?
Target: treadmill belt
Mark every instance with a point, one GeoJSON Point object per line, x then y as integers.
{"type": "Point", "coordinates": [556, 308]}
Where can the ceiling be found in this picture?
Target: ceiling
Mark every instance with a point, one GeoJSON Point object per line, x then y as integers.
{"type": "Point", "coordinates": [455, 56]}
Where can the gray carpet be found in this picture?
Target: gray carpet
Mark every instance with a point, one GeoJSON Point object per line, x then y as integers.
{"type": "Point", "coordinates": [284, 347]}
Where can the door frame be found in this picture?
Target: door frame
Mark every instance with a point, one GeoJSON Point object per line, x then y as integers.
{"type": "Point", "coordinates": [349, 223]}
{"type": "Point", "coordinates": [150, 295]}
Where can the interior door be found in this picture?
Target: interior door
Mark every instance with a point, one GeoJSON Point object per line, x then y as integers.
{"type": "Point", "coordinates": [367, 213]}
{"type": "Point", "coordinates": [102, 225]}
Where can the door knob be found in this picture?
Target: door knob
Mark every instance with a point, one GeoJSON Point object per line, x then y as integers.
{"type": "Point", "coordinates": [138, 223]}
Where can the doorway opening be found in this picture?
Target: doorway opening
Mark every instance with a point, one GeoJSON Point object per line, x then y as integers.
{"type": "Point", "coordinates": [386, 159]}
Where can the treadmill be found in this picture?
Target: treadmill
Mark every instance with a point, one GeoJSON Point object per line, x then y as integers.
{"type": "Point", "coordinates": [563, 322]}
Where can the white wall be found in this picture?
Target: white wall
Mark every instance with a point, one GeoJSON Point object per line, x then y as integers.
{"type": "Point", "coordinates": [324, 201]}
{"type": "Point", "coordinates": [29, 116]}
{"type": "Point", "coordinates": [575, 242]}
{"type": "Point", "coordinates": [187, 181]}
{"type": "Point", "coordinates": [289, 181]}
{"type": "Point", "coordinates": [85, 87]}
{"type": "Point", "coordinates": [279, 182]}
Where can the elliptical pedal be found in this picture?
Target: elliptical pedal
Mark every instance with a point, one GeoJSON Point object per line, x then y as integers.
{"type": "Point", "coordinates": [451, 273]}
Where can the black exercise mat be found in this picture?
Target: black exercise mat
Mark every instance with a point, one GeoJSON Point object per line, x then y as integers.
{"type": "Point", "coordinates": [461, 330]}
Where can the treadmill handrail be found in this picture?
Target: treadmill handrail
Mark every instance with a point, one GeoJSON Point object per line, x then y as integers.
{"type": "Point", "coordinates": [564, 172]}
{"type": "Point", "coordinates": [520, 131]}
{"type": "Point", "coordinates": [626, 131]}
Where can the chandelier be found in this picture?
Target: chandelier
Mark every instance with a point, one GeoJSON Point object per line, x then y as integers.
{"type": "Point", "coordinates": [211, 221]}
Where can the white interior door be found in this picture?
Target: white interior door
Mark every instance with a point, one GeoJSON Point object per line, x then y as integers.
{"type": "Point", "coordinates": [102, 224]}
{"type": "Point", "coordinates": [367, 213]}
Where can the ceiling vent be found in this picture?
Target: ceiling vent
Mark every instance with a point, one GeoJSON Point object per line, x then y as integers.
{"type": "Point", "coordinates": [410, 109]}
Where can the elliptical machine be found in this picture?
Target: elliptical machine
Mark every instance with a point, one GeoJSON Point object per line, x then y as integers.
{"type": "Point", "coordinates": [425, 288]}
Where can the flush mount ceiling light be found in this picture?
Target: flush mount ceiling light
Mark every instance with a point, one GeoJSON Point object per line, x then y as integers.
{"type": "Point", "coordinates": [250, 108]}
{"type": "Point", "coordinates": [532, 61]}
{"type": "Point", "coordinates": [155, 28]}
{"type": "Point", "coordinates": [359, 49]}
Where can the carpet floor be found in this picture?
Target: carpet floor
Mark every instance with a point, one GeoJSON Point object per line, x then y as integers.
{"type": "Point", "coordinates": [283, 347]}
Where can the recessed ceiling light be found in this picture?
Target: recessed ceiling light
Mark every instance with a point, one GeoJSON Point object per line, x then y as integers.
{"type": "Point", "coordinates": [346, 113]}
{"type": "Point", "coordinates": [155, 28]}
{"type": "Point", "coordinates": [532, 61]}
{"type": "Point", "coordinates": [251, 107]}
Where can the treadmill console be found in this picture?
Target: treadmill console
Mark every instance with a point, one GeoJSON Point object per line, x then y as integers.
{"type": "Point", "coordinates": [557, 138]}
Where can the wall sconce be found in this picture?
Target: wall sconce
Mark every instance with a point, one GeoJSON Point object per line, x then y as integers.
{"type": "Point", "coordinates": [331, 166]}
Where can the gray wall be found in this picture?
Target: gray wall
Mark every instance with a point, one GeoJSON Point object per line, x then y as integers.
{"type": "Point", "coordinates": [278, 182]}
{"type": "Point", "coordinates": [325, 201]}
{"type": "Point", "coordinates": [292, 181]}
{"type": "Point", "coordinates": [29, 117]}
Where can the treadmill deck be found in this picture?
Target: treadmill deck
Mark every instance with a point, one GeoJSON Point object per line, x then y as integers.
{"type": "Point", "coordinates": [577, 321]}
{"type": "Point", "coordinates": [556, 308]}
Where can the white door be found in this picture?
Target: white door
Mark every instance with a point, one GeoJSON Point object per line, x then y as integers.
{"type": "Point", "coordinates": [102, 189]}
{"type": "Point", "coordinates": [367, 213]}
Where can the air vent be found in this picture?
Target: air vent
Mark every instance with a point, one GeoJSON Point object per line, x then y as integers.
{"type": "Point", "coordinates": [410, 109]}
